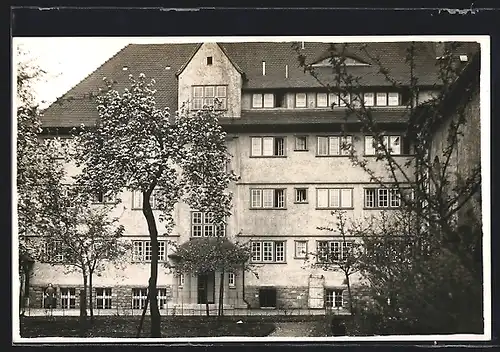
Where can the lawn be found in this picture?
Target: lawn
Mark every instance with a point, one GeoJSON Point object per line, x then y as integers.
{"type": "Point", "coordinates": [126, 326]}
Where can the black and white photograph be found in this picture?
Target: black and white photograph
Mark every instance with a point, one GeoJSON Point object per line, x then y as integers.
{"type": "Point", "coordinates": [279, 188]}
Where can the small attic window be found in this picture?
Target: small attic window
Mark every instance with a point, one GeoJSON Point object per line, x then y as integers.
{"type": "Point", "coordinates": [348, 61]}
{"type": "Point", "coordinates": [125, 68]}
{"type": "Point", "coordinates": [167, 67]}
{"type": "Point", "coordinates": [209, 60]}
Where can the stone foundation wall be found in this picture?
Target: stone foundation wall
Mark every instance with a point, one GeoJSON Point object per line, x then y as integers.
{"type": "Point", "coordinates": [286, 297]}
{"type": "Point", "coordinates": [121, 296]}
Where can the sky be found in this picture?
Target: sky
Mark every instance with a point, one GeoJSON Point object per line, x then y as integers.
{"type": "Point", "coordinates": [67, 61]}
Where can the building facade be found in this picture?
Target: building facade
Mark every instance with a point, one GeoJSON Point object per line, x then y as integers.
{"type": "Point", "coordinates": [285, 134]}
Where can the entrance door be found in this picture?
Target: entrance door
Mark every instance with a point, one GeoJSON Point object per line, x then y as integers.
{"type": "Point", "coordinates": [267, 297]}
{"type": "Point", "coordinates": [206, 288]}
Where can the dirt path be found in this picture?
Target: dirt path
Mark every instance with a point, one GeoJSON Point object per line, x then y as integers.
{"type": "Point", "coordinates": [294, 329]}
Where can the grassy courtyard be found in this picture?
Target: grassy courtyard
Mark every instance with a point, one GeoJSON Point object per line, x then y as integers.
{"type": "Point", "coordinates": [126, 326]}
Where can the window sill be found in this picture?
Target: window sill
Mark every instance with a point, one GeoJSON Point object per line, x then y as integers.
{"type": "Point", "coordinates": [383, 155]}
{"type": "Point", "coordinates": [267, 156]}
{"type": "Point", "coordinates": [232, 287]}
{"type": "Point", "coordinates": [351, 208]}
{"type": "Point", "coordinates": [267, 208]}
{"type": "Point", "coordinates": [301, 258]}
{"type": "Point", "coordinates": [268, 262]}
{"type": "Point", "coordinates": [301, 150]}
{"type": "Point", "coordinates": [306, 202]}
{"type": "Point", "coordinates": [332, 156]}
{"type": "Point", "coordinates": [382, 208]}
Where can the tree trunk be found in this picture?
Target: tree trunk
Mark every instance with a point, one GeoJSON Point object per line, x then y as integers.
{"type": "Point", "coordinates": [221, 294]}
{"type": "Point", "coordinates": [153, 234]}
{"type": "Point", "coordinates": [144, 310]}
{"type": "Point", "coordinates": [207, 307]}
{"type": "Point", "coordinates": [349, 292]}
{"type": "Point", "coordinates": [91, 302]}
{"type": "Point", "coordinates": [83, 310]}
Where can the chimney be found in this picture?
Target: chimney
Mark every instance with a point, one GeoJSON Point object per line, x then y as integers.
{"type": "Point", "coordinates": [303, 45]}
{"type": "Point", "coordinates": [286, 71]}
{"type": "Point", "coordinates": [263, 68]}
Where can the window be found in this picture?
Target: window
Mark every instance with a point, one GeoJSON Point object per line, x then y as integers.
{"type": "Point", "coordinates": [333, 251]}
{"type": "Point", "coordinates": [263, 100]}
{"type": "Point", "coordinates": [139, 296]}
{"type": "Point", "coordinates": [202, 225]}
{"type": "Point", "coordinates": [268, 146]}
{"type": "Point", "coordinates": [334, 198]}
{"type": "Point", "coordinates": [154, 200]}
{"type": "Point", "coordinates": [393, 99]}
{"type": "Point", "coordinates": [162, 297]}
{"type": "Point", "coordinates": [381, 99]}
{"type": "Point", "coordinates": [206, 96]}
{"type": "Point", "coordinates": [382, 198]}
{"type": "Point", "coordinates": [334, 145]}
{"type": "Point", "coordinates": [209, 60]}
{"type": "Point", "coordinates": [52, 251]}
{"type": "Point", "coordinates": [369, 99]}
{"type": "Point", "coordinates": [300, 249]}
{"type": "Point", "coordinates": [300, 143]}
{"type": "Point", "coordinates": [268, 251]}
{"type": "Point", "coordinates": [333, 298]}
{"type": "Point", "coordinates": [181, 280]}
{"type": "Point", "coordinates": [344, 99]}
{"type": "Point", "coordinates": [300, 195]}
{"type": "Point", "coordinates": [393, 143]}
{"type": "Point", "coordinates": [103, 197]}
{"type": "Point", "coordinates": [267, 198]}
{"type": "Point", "coordinates": [68, 298]}
{"type": "Point", "coordinates": [300, 100]}
{"type": "Point", "coordinates": [322, 100]}
{"type": "Point", "coordinates": [142, 251]}
{"type": "Point", "coordinates": [231, 279]}
{"type": "Point", "coordinates": [103, 298]}
{"type": "Point", "coordinates": [67, 193]}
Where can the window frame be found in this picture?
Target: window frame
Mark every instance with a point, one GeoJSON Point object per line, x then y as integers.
{"type": "Point", "coordinates": [140, 298]}
{"type": "Point", "coordinates": [340, 140]}
{"type": "Point", "coordinates": [201, 99]}
{"type": "Point", "coordinates": [68, 301]}
{"type": "Point", "coordinates": [296, 146]}
{"type": "Point", "coordinates": [306, 199]}
{"type": "Point", "coordinates": [388, 140]}
{"type": "Point", "coordinates": [334, 248]}
{"type": "Point", "coordinates": [299, 255]}
{"type": "Point", "coordinates": [392, 194]}
{"type": "Point", "coordinates": [275, 149]}
{"type": "Point", "coordinates": [340, 197]}
{"type": "Point", "coordinates": [231, 280]}
{"type": "Point", "coordinates": [261, 191]}
{"type": "Point", "coordinates": [218, 230]}
{"type": "Point", "coordinates": [104, 298]}
{"type": "Point", "coordinates": [264, 243]}
{"type": "Point", "coordinates": [144, 244]}
{"type": "Point", "coordinates": [332, 296]}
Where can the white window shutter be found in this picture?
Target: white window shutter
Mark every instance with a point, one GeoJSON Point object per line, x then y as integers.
{"type": "Point", "coordinates": [322, 145]}
{"type": "Point", "coordinates": [346, 197]}
{"type": "Point", "coordinates": [322, 198]}
{"type": "Point", "coordinates": [334, 198]}
{"type": "Point", "coordinates": [395, 144]}
{"type": "Point", "coordinates": [267, 146]}
{"type": "Point", "coordinates": [267, 196]}
{"type": "Point", "coordinates": [334, 146]}
{"type": "Point", "coordinates": [256, 146]}
{"type": "Point", "coordinates": [369, 149]}
{"type": "Point", "coordinates": [268, 100]}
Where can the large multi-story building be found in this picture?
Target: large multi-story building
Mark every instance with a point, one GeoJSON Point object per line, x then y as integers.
{"type": "Point", "coordinates": [285, 138]}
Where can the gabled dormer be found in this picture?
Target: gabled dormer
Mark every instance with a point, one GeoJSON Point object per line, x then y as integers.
{"type": "Point", "coordinates": [209, 78]}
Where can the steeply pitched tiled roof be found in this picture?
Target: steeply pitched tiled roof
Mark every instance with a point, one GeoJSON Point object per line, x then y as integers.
{"type": "Point", "coordinates": [78, 105]}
